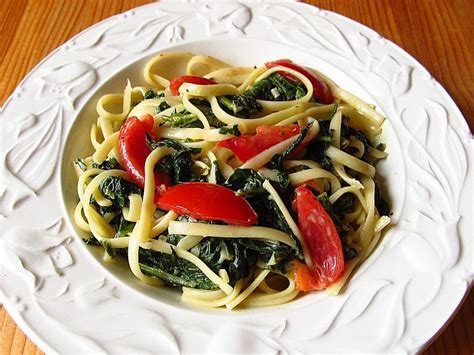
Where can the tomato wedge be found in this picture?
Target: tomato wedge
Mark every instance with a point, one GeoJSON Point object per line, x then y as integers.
{"type": "Point", "coordinates": [206, 201]}
{"type": "Point", "coordinates": [248, 146]}
{"type": "Point", "coordinates": [321, 91]}
{"type": "Point", "coordinates": [176, 83]}
{"type": "Point", "coordinates": [322, 240]}
{"type": "Point", "coordinates": [134, 151]}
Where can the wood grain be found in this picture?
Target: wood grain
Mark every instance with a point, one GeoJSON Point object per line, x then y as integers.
{"type": "Point", "coordinates": [437, 33]}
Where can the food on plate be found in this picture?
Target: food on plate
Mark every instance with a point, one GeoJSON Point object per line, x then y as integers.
{"type": "Point", "coordinates": [242, 186]}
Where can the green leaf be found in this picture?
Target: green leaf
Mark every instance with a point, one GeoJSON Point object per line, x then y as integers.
{"type": "Point", "coordinates": [173, 270]}
{"type": "Point", "coordinates": [117, 190]}
{"type": "Point", "coordinates": [108, 249]}
{"type": "Point", "coordinates": [125, 227]}
{"type": "Point", "coordinates": [245, 180]}
{"type": "Point", "coordinates": [248, 183]}
{"type": "Point", "coordinates": [81, 164]}
{"type": "Point", "coordinates": [317, 147]}
{"type": "Point", "coordinates": [261, 90]}
{"type": "Point", "coordinates": [239, 105]}
{"type": "Point", "coordinates": [183, 119]}
{"type": "Point", "coordinates": [234, 130]}
{"type": "Point", "coordinates": [277, 159]}
{"type": "Point", "coordinates": [179, 164]}
{"type": "Point", "coordinates": [91, 241]}
{"type": "Point", "coordinates": [108, 164]}
{"type": "Point", "coordinates": [288, 89]}
{"type": "Point", "coordinates": [152, 94]}
{"type": "Point", "coordinates": [170, 143]}
{"type": "Point", "coordinates": [383, 207]}
{"type": "Point", "coordinates": [219, 178]}
{"type": "Point", "coordinates": [163, 105]}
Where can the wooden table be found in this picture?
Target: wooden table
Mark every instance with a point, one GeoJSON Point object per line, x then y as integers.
{"type": "Point", "coordinates": [437, 32]}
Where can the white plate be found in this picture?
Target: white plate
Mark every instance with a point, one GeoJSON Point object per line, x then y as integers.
{"type": "Point", "coordinates": [67, 301]}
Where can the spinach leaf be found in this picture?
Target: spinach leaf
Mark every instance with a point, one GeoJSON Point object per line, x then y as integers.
{"type": "Point", "coordinates": [284, 187]}
{"type": "Point", "coordinates": [108, 164]}
{"type": "Point", "coordinates": [380, 203]}
{"type": "Point", "coordinates": [261, 90]}
{"type": "Point", "coordinates": [205, 107]}
{"type": "Point", "coordinates": [213, 120]}
{"type": "Point", "coordinates": [174, 238]}
{"type": "Point", "coordinates": [317, 147]}
{"type": "Point", "coordinates": [381, 147]}
{"type": "Point", "coordinates": [162, 106]}
{"type": "Point", "coordinates": [277, 159]}
{"type": "Point", "coordinates": [149, 94]}
{"type": "Point", "coordinates": [81, 164]}
{"type": "Point", "coordinates": [187, 119]}
{"type": "Point", "coordinates": [248, 183]}
{"type": "Point", "coordinates": [227, 254]}
{"type": "Point", "coordinates": [186, 218]}
{"type": "Point", "coordinates": [337, 210]}
{"type": "Point", "coordinates": [124, 227]}
{"type": "Point", "coordinates": [244, 261]}
{"type": "Point", "coordinates": [348, 133]}
{"type": "Point", "coordinates": [108, 249]}
{"type": "Point", "coordinates": [217, 253]}
{"type": "Point", "coordinates": [178, 165]}
{"type": "Point", "coordinates": [219, 178]}
{"type": "Point", "coordinates": [173, 270]}
{"type": "Point", "coordinates": [117, 190]}
{"type": "Point", "coordinates": [234, 130]}
{"type": "Point", "coordinates": [276, 253]}
{"type": "Point", "coordinates": [344, 205]}
{"type": "Point", "coordinates": [184, 119]}
{"type": "Point", "coordinates": [349, 251]}
{"type": "Point", "coordinates": [152, 94]}
{"type": "Point", "coordinates": [91, 241]}
{"type": "Point", "coordinates": [199, 102]}
{"type": "Point", "coordinates": [287, 89]}
{"type": "Point", "coordinates": [239, 105]}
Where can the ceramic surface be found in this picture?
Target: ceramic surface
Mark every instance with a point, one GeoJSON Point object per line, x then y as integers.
{"type": "Point", "coordinates": [66, 299]}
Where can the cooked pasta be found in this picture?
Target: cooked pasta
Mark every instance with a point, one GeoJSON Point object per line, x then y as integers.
{"type": "Point", "coordinates": [242, 186]}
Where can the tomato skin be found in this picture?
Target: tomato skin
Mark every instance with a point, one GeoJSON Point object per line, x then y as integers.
{"type": "Point", "coordinates": [248, 146]}
{"type": "Point", "coordinates": [322, 240]}
{"type": "Point", "coordinates": [321, 91]}
{"type": "Point", "coordinates": [206, 201]}
{"type": "Point", "coordinates": [305, 279]}
{"type": "Point", "coordinates": [134, 151]}
{"type": "Point", "coordinates": [315, 185]}
{"type": "Point", "coordinates": [176, 83]}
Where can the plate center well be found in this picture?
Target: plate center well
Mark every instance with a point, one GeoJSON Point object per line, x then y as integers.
{"type": "Point", "coordinates": [256, 53]}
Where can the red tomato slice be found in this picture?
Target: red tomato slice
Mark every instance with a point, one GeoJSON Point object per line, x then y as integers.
{"type": "Point", "coordinates": [176, 83]}
{"type": "Point", "coordinates": [321, 91]}
{"type": "Point", "coordinates": [248, 146]}
{"type": "Point", "coordinates": [206, 201]}
{"type": "Point", "coordinates": [315, 185]}
{"type": "Point", "coordinates": [134, 151]}
{"type": "Point", "coordinates": [305, 279]}
{"type": "Point", "coordinates": [322, 240]}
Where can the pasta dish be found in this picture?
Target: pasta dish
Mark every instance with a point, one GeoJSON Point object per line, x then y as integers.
{"type": "Point", "coordinates": [241, 186]}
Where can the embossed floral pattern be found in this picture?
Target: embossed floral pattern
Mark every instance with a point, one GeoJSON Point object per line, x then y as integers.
{"type": "Point", "coordinates": [35, 254]}
{"type": "Point", "coordinates": [400, 287]}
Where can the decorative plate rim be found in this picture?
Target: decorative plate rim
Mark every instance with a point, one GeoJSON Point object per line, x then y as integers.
{"type": "Point", "coordinates": [238, 21]}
